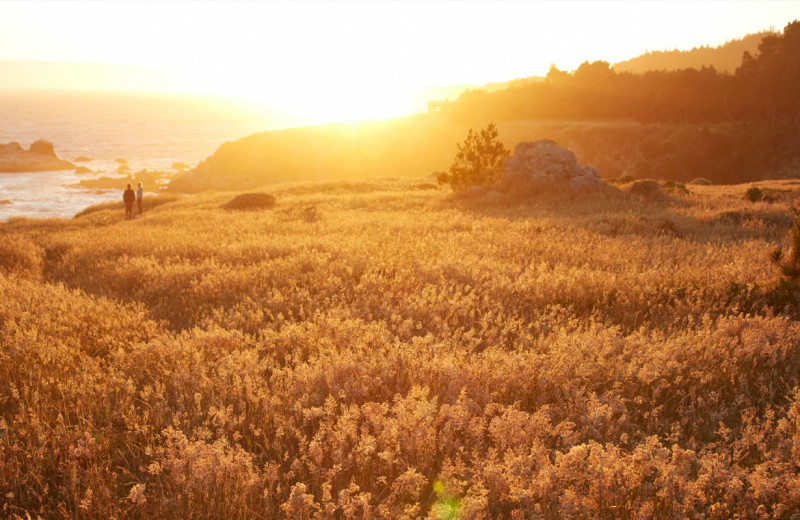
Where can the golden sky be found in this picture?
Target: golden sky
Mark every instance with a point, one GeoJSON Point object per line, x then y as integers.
{"type": "Point", "coordinates": [343, 60]}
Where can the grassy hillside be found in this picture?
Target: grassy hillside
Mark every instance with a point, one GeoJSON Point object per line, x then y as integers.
{"type": "Point", "coordinates": [422, 144]}
{"type": "Point", "coordinates": [381, 349]}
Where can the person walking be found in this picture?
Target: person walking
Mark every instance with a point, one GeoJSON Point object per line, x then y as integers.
{"type": "Point", "coordinates": [128, 197]}
{"type": "Point", "coordinates": [139, 193]}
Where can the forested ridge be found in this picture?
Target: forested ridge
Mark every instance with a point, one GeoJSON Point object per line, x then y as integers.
{"type": "Point", "coordinates": [763, 88]}
{"type": "Point", "coordinates": [724, 58]}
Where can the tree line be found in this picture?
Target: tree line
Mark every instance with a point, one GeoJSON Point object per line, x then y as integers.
{"type": "Point", "coordinates": [763, 88]}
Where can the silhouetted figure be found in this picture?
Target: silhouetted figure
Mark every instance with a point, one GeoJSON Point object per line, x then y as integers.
{"type": "Point", "coordinates": [139, 193]}
{"type": "Point", "coordinates": [128, 197]}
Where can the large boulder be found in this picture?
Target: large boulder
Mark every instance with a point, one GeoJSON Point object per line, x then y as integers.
{"type": "Point", "coordinates": [538, 164]}
{"type": "Point", "coordinates": [40, 157]}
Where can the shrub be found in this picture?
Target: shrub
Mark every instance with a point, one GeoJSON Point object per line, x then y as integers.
{"type": "Point", "coordinates": [479, 160]}
{"type": "Point", "coordinates": [754, 194]}
{"type": "Point", "coordinates": [789, 263]}
{"type": "Point", "coordinates": [251, 201]}
{"type": "Point", "coordinates": [674, 186]}
{"type": "Point", "coordinates": [625, 179]}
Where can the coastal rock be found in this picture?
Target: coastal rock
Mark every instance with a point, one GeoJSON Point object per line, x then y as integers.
{"type": "Point", "coordinates": [83, 158]}
{"type": "Point", "coordinates": [43, 147]}
{"type": "Point", "coordinates": [40, 156]}
{"type": "Point", "coordinates": [83, 169]}
{"type": "Point", "coordinates": [536, 164]}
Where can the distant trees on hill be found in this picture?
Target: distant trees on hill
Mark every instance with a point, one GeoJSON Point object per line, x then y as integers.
{"type": "Point", "coordinates": [724, 58]}
{"type": "Point", "coordinates": [768, 84]}
{"type": "Point", "coordinates": [763, 87]}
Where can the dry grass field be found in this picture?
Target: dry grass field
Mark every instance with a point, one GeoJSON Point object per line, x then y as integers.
{"type": "Point", "coordinates": [383, 349]}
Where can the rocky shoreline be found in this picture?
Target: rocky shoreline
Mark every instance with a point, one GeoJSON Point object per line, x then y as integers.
{"type": "Point", "coordinates": [41, 156]}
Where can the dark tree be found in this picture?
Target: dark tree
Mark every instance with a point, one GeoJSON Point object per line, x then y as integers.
{"type": "Point", "coordinates": [479, 159]}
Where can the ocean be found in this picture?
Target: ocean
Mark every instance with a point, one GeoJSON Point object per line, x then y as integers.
{"type": "Point", "coordinates": [148, 131]}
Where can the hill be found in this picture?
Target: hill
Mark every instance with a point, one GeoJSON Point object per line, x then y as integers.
{"type": "Point", "coordinates": [384, 349]}
{"type": "Point", "coordinates": [419, 145]}
{"type": "Point", "coordinates": [724, 58]}
{"type": "Point", "coordinates": [404, 146]}
{"type": "Point", "coordinates": [670, 125]}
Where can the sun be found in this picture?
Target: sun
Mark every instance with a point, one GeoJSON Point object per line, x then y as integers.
{"type": "Point", "coordinates": [310, 95]}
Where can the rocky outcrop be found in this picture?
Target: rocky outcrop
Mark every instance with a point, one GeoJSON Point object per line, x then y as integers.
{"type": "Point", "coordinates": [41, 156]}
{"type": "Point", "coordinates": [540, 164]}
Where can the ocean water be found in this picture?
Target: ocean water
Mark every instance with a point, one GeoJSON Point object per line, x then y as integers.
{"type": "Point", "coordinates": [148, 131]}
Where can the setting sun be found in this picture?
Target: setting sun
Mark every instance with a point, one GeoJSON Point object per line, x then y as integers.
{"type": "Point", "coordinates": [352, 60]}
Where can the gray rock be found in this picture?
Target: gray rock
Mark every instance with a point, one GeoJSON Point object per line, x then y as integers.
{"type": "Point", "coordinates": [536, 164]}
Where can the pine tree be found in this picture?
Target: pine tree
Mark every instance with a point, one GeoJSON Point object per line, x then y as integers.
{"type": "Point", "coordinates": [479, 159]}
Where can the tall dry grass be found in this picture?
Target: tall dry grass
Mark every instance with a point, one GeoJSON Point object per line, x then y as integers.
{"type": "Point", "coordinates": [380, 349]}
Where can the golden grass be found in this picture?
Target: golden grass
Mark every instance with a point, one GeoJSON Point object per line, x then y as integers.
{"type": "Point", "coordinates": [377, 350]}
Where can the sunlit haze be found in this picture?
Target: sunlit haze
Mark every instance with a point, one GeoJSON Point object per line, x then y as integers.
{"type": "Point", "coordinates": [350, 60]}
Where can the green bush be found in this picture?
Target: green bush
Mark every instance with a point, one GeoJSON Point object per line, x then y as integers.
{"type": "Point", "coordinates": [479, 160]}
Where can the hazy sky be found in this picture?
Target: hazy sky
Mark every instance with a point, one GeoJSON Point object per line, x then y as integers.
{"type": "Point", "coordinates": [363, 57]}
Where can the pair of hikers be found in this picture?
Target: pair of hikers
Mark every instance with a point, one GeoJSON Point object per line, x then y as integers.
{"type": "Point", "coordinates": [129, 196]}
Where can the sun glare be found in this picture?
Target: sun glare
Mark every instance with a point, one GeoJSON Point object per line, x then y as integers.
{"type": "Point", "coordinates": [313, 99]}
{"type": "Point", "coordinates": [354, 60]}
